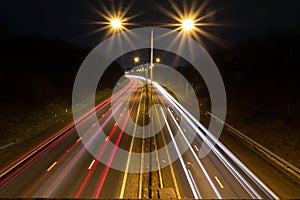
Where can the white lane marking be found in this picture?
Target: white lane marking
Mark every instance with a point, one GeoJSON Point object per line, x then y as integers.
{"type": "Point", "coordinates": [39, 148]}
{"type": "Point", "coordinates": [51, 166]}
{"type": "Point", "coordinates": [196, 157]}
{"type": "Point", "coordinates": [95, 123]}
{"type": "Point", "coordinates": [170, 165]}
{"type": "Point", "coordinates": [106, 139]}
{"type": "Point", "coordinates": [193, 122]}
{"type": "Point", "coordinates": [238, 176]}
{"type": "Point", "coordinates": [231, 168]}
{"type": "Point", "coordinates": [91, 165]}
{"type": "Point", "coordinates": [180, 158]}
{"type": "Point", "coordinates": [196, 147]}
{"type": "Point", "coordinates": [78, 140]}
{"type": "Point", "coordinates": [219, 182]}
{"type": "Point", "coordinates": [188, 163]}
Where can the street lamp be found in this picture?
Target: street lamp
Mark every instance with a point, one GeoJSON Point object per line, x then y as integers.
{"type": "Point", "coordinates": [157, 60]}
{"type": "Point", "coordinates": [136, 59]}
{"type": "Point", "coordinates": [187, 24]}
{"type": "Point", "coordinates": [116, 23]}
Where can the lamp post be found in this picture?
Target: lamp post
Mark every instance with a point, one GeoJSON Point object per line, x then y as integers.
{"type": "Point", "coordinates": [151, 65]}
{"type": "Point", "coordinates": [187, 25]}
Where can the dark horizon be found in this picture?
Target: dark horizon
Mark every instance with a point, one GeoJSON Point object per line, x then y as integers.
{"type": "Point", "coordinates": [56, 19]}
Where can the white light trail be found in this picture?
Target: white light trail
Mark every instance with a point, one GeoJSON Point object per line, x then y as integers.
{"type": "Point", "coordinates": [196, 157]}
{"type": "Point", "coordinates": [180, 109]}
{"type": "Point", "coordinates": [194, 183]}
{"type": "Point", "coordinates": [180, 158]}
{"type": "Point", "coordinates": [195, 124]}
{"type": "Point", "coordinates": [168, 155]}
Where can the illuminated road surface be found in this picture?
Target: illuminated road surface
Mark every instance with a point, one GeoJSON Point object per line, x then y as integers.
{"type": "Point", "coordinates": [61, 167]}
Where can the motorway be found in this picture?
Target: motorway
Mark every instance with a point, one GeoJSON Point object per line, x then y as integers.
{"type": "Point", "coordinates": [62, 167]}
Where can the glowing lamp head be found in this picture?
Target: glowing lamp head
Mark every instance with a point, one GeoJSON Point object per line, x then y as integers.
{"type": "Point", "coordinates": [116, 23]}
{"type": "Point", "coordinates": [136, 59]}
{"type": "Point", "coordinates": [157, 60]}
{"type": "Point", "coordinates": [187, 24]}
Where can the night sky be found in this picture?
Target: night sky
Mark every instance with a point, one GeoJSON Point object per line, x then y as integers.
{"type": "Point", "coordinates": [69, 20]}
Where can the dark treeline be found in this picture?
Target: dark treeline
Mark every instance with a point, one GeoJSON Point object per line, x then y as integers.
{"type": "Point", "coordinates": [35, 70]}
{"type": "Point", "coordinates": [272, 57]}
{"type": "Point", "coordinates": [265, 71]}
{"type": "Point", "coordinates": [262, 70]}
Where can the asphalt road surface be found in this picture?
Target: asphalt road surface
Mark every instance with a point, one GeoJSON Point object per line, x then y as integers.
{"type": "Point", "coordinates": [165, 164]}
